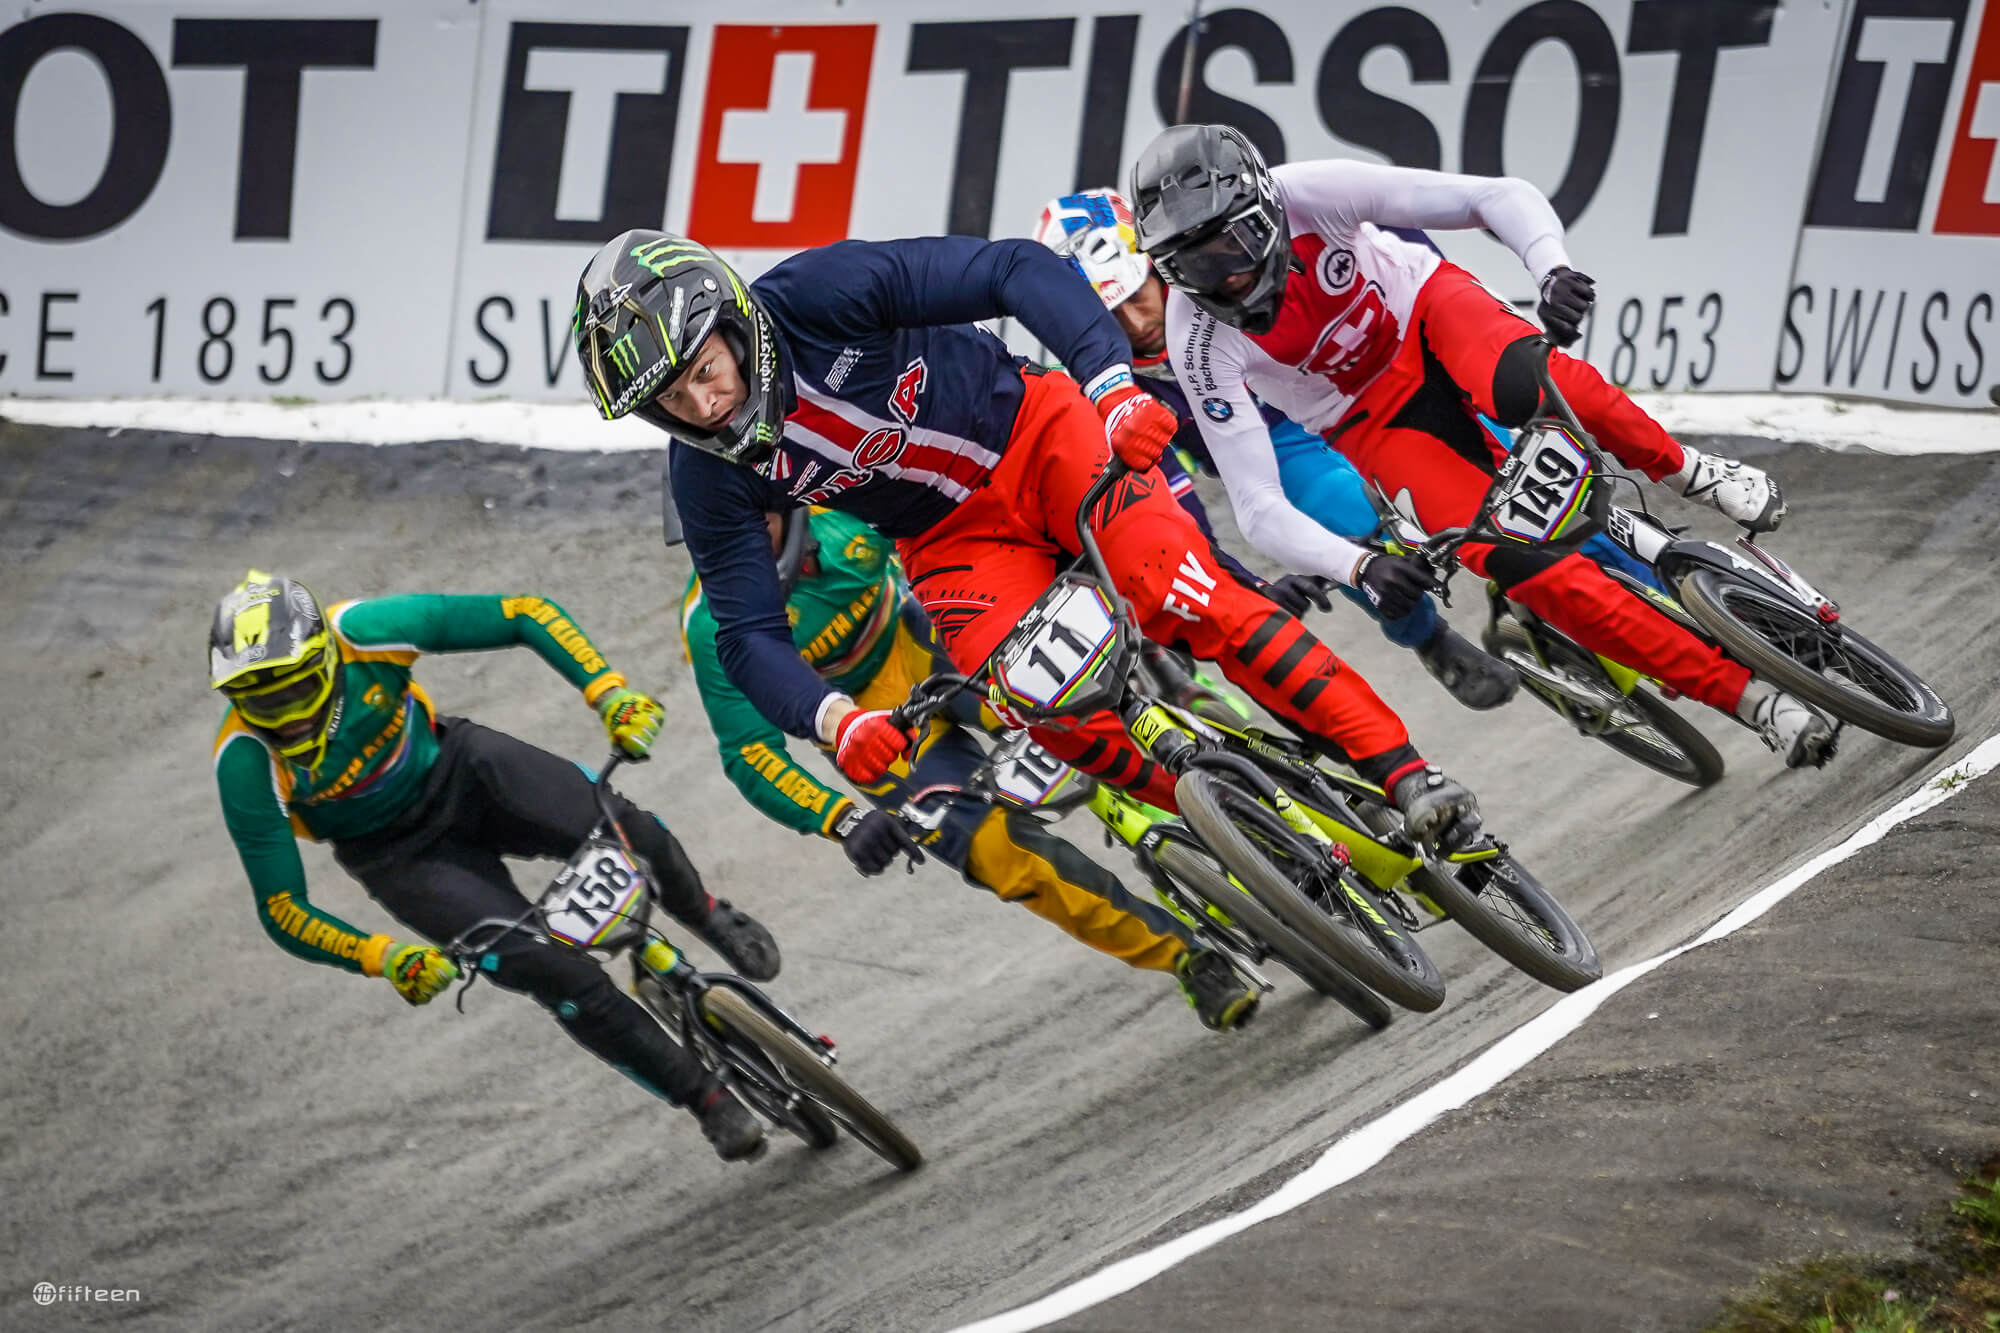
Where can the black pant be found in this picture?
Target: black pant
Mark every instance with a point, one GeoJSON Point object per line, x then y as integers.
{"type": "Point", "coordinates": [438, 871]}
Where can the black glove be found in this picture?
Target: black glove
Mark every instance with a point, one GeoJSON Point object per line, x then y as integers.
{"type": "Point", "coordinates": [1394, 584]}
{"type": "Point", "coordinates": [1566, 298]}
{"type": "Point", "coordinates": [1296, 592]}
{"type": "Point", "coordinates": [870, 838]}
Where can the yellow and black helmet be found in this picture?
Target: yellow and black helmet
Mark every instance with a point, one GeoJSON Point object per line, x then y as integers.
{"type": "Point", "coordinates": [270, 653]}
{"type": "Point", "coordinates": [644, 305]}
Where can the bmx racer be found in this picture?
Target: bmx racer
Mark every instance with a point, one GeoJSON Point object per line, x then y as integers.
{"type": "Point", "coordinates": [327, 736]}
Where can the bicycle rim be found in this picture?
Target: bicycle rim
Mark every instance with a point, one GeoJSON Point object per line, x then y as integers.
{"type": "Point", "coordinates": [802, 1071]}
{"type": "Point", "coordinates": [1202, 877]}
{"type": "Point", "coordinates": [1331, 908]}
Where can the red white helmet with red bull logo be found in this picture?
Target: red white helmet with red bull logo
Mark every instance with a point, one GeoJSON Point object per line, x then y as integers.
{"type": "Point", "coordinates": [1094, 231]}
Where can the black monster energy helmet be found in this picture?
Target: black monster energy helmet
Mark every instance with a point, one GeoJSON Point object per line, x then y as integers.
{"type": "Point", "coordinates": [1208, 211]}
{"type": "Point", "coordinates": [643, 306]}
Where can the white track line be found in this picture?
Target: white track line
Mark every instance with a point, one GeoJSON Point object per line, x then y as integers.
{"type": "Point", "coordinates": [1362, 1148]}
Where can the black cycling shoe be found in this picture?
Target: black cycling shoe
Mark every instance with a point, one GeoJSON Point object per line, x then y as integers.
{"type": "Point", "coordinates": [735, 1134]}
{"type": "Point", "coordinates": [742, 939]}
{"type": "Point", "coordinates": [1220, 998]}
{"type": "Point", "coordinates": [1436, 809]}
{"type": "Point", "coordinates": [1476, 679]}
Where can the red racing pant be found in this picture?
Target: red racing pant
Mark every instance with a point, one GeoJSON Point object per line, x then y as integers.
{"type": "Point", "coordinates": [986, 563]}
{"type": "Point", "coordinates": [1413, 431]}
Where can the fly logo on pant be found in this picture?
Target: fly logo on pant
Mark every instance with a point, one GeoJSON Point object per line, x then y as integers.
{"type": "Point", "coordinates": [1192, 585]}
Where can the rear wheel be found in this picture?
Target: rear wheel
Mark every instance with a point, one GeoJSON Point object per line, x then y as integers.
{"type": "Point", "coordinates": [1326, 905]}
{"type": "Point", "coordinates": [1641, 726]}
{"type": "Point", "coordinates": [1829, 666]}
{"type": "Point", "coordinates": [831, 1099]}
{"type": "Point", "coordinates": [1203, 877]}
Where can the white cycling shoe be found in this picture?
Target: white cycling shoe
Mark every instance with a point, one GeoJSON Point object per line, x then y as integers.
{"type": "Point", "coordinates": [1746, 494]}
{"type": "Point", "coordinates": [1787, 724]}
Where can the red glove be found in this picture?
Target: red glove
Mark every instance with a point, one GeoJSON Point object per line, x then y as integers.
{"type": "Point", "coordinates": [1139, 426]}
{"type": "Point", "coordinates": [866, 743]}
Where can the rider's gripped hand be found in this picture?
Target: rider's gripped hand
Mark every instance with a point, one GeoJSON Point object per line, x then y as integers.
{"type": "Point", "coordinates": [417, 971]}
{"type": "Point", "coordinates": [1566, 298]}
{"type": "Point", "coordinates": [1394, 584]}
{"type": "Point", "coordinates": [1298, 593]}
{"type": "Point", "coordinates": [1138, 425]}
{"type": "Point", "coordinates": [869, 838]}
{"type": "Point", "coordinates": [866, 742]}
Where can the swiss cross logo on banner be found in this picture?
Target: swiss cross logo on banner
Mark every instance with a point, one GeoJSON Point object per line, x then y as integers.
{"type": "Point", "coordinates": [1970, 199]}
{"type": "Point", "coordinates": [780, 135]}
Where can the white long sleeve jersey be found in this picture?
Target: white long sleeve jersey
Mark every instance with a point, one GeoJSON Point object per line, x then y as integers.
{"type": "Point", "coordinates": [1343, 321]}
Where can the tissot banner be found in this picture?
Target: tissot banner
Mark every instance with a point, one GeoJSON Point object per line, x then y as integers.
{"type": "Point", "coordinates": [342, 200]}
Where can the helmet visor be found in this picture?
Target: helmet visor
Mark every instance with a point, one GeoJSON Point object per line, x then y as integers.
{"type": "Point", "coordinates": [625, 359]}
{"type": "Point", "coordinates": [1207, 266]}
{"type": "Point", "coordinates": [273, 699]}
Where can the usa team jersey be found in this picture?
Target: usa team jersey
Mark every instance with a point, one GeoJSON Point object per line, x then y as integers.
{"type": "Point", "coordinates": [1342, 323]}
{"type": "Point", "coordinates": [904, 408]}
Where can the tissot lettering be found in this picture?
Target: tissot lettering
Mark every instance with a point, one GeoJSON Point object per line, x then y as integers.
{"type": "Point", "coordinates": [273, 55]}
{"type": "Point", "coordinates": [542, 185]}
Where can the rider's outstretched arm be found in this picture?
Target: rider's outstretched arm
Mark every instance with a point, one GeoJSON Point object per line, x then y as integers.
{"type": "Point", "coordinates": [400, 627]}
{"type": "Point", "coordinates": [862, 287]}
{"type": "Point", "coordinates": [1240, 444]}
{"type": "Point", "coordinates": [1338, 195]}
{"type": "Point", "coordinates": [250, 781]}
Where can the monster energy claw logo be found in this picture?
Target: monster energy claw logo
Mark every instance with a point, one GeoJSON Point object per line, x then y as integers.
{"type": "Point", "coordinates": [624, 356]}
{"type": "Point", "coordinates": [656, 257]}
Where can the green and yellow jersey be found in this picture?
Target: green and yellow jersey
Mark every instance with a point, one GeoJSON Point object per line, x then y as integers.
{"type": "Point", "coordinates": [380, 748]}
{"type": "Point", "coordinates": [844, 622]}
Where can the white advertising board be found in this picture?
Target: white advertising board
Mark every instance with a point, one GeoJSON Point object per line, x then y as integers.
{"type": "Point", "coordinates": [246, 200]}
{"type": "Point", "coordinates": [1899, 262]}
{"type": "Point", "coordinates": [348, 199]}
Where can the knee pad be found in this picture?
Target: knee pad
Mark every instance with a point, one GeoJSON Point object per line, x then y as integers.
{"type": "Point", "coordinates": [1511, 566]}
{"type": "Point", "coordinates": [568, 982]}
{"type": "Point", "coordinates": [1517, 385]}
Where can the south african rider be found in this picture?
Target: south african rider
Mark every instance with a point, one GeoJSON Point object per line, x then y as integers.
{"type": "Point", "coordinates": [328, 737]}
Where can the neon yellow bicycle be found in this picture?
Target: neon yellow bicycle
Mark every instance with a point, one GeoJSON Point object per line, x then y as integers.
{"type": "Point", "coordinates": [1322, 853]}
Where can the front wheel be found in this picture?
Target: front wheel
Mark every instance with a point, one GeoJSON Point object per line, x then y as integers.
{"type": "Point", "coordinates": [1829, 666]}
{"type": "Point", "coordinates": [828, 1093]}
{"type": "Point", "coordinates": [1327, 905]}
{"type": "Point", "coordinates": [1506, 908]}
{"type": "Point", "coordinates": [1201, 876]}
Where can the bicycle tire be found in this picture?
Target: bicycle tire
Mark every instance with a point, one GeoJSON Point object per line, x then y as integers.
{"type": "Point", "coordinates": [1207, 882]}
{"type": "Point", "coordinates": [1386, 960]}
{"type": "Point", "coordinates": [812, 1126]}
{"type": "Point", "coordinates": [1717, 600]}
{"type": "Point", "coordinates": [1689, 756]}
{"type": "Point", "coordinates": [1549, 946]}
{"type": "Point", "coordinates": [822, 1085]}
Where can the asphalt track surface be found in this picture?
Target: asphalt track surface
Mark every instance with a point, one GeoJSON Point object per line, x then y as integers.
{"type": "Point", "coordinates": [255, 1143]}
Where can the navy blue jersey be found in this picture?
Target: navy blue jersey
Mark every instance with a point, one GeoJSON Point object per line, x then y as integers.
{"type": "Point", "coordinates": [904, 409]}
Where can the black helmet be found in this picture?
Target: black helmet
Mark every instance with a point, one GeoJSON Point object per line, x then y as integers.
{"type": "Point", "coordinates": [1207, 211]}
{"type": "Point", "coordinates": [644, 304]}
{"type": "Point", "coordinates": [270, 653]}
{"type": "Point", "coordinates": [795, 546]}
{"type": "Point", "coordinates": [795, 542]}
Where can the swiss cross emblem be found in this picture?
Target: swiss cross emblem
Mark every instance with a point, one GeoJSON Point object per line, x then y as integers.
{"type": "Point", "coordinates": [909, 386]}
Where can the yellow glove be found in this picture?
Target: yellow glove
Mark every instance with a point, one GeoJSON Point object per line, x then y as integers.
{"type": "Point", "coordinates": [631, 719]}
{"type": "Point", "coordinates": [418, 972]}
